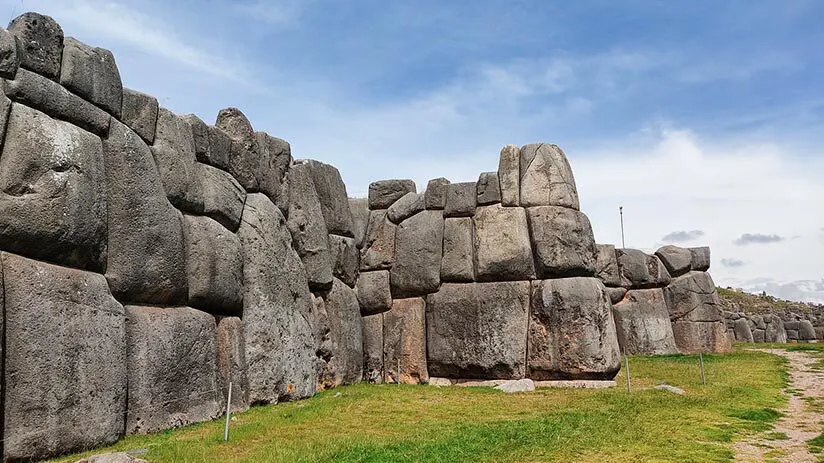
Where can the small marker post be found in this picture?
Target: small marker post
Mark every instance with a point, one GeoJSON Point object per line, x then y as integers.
{"type": "Point", "coordinates": [701, 362]}
{"type": "Point", "coordinates": [228, 414]}
{"type": "Point", "coordinates": [626, 363]}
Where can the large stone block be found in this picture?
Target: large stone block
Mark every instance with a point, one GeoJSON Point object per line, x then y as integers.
{"type": "Point", "coordinates": [372, 348]}
{"type": "Point", "coordinates": [214, 263]}
{"type": "Point", "coordinates": [231, 363]}
{"type": "Point", "coordinates": [146, 254]}
{"type": "Point", "coordinates": [700, 259]}
{"type": "Point", "coordinates": [65, 360]}
{"type": "Point", "coordinates": [806, 331]}
{"type": "Point", "coordinates": [563, 242]}
{"type": "Point", "coordinates": [42, 42]}
{"type": "Point", "coordinates": [243, 157]}
{"type": "Point", "coordinates": [404, 208]}
{"type": "Point", "coordinates": [308, 227]}
{"type": "Point", "coordinates": [643, 325]}
{"type": "Point", "coordinates": [418, 254]}
{"type": "Point", "coordinates": [38, 92]}
{"type": "Point", "coordinates": [172, 368]}
{"type": "Point", "coordinates": [488, 189]}
{"type": "Point", "coordinates": [360, 218]}
{"type": "Point", "coordinates": [222, 196]}
{"type": "Point", "coordinates": [742, 331]}
{"type": "Point", "coordinates": [92, 74]}
{"type": "Point", "coordinates": [461, 199]}
{"type": "Point", "coordinates": [435, 194]}
{"type": "Point", "coordinates": [277, 304]}
{"type": "Point", "coordinates": [641, 271]}
{"type": "Point", "coordinates": [571, 331]}
{"type": "Point", "coordinates": [546, 178]}
{"type": "Point", "coordinates": [378, 250]}
{"type": "Point", "coordinates": [345, 366]}
{"type": "Point", "coordinates": [212, 145]}
{"type": "Point", "coordinates": [695, 337]}
{"type": "Point", "coordinates": [509, 175]}
{"type": "Point", "coordinates": [10, 54]}
{"type": "Point", "coordinates": [404, 342]}
{"type": "Point", "coordinates": [478, 330]}
{"type": "Point", "coordinates": [606, 265]}
{"type": "Point", "coordinates": [174, 154]}
{"type": "Point", "coordinates": [140, 113]}
{"type": "Point", "coordinates": [502, 247]}
{"type": "Point", "coordinates": [775, 331]}
{"type": "Point", "coordinates": [52, 191]}
{"type": "Point", "coordinates": [692, 297]}
{"type": "Point", "coordinates": [677, 260]}
{"type": "Point", "coordinates": [458, 265]}
{"type": "Point", "coordinates": [374, 294]}
{"type": "Point", "coordinates": [384, 193]}
{"type": "Point", "coordinates": [344, 256]}
{"type": "Point", "coordinates": [334, 202]}
{"type": "Point", "coordinates": [274, 160]}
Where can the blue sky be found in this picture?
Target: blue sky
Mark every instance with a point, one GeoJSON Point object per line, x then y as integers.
{"type": "Point", "coordinates": [694, 115]}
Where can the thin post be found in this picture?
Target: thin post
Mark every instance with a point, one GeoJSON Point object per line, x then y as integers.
{"type": "Point", "coordinates": [621, 212]}
{"type": "Point", "coordinates": [701, 362]}
{"type": "Point", "coordinates": [626, 367]}
{"type": "Point", "coordinates": [399, 371]}
{"type": "Point", "coordinates": [228, 414]}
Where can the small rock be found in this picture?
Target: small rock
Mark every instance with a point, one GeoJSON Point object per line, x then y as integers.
{"type": "Point", "coordinates": [517, 385]}
{"type": "Point", "coordinates": [440, 382]}
{"type": "Point", "coordinates": [673, 389]}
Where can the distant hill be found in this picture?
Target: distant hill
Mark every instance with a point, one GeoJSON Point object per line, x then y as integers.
{"type": "Point", "coordinates": [736, 300]}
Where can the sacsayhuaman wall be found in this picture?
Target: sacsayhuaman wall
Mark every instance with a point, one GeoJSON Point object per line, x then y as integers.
{"type": "Point", "coordinates": [148, 259]}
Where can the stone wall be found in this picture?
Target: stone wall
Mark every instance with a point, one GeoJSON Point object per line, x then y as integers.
{"type": "Point", "coordinates": [777, 327]}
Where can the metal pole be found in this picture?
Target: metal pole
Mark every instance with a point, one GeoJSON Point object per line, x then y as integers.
{"type": "Point", "coordinates": [626, 363]}
{"type": "Point", "coordinates": [228, 414]}
{"type": "Point", "coordinates": [621, 212]}
{"type": "Point", "coordinates": [701, 361]}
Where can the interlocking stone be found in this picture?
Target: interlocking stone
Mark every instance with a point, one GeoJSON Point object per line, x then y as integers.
{"type": "Point", "coordinates": [384, 193]}
{"type": "Point", "coordinates": [461, 199]}
{"type": "Point", "coordinates": [418, 254]}
{"type": "Point", "coordinates": [546, 178]}
{"type": "Point", "coordinates": [10, 54]}
{"type": "Point", "coordinates": [308, 228]}
{"type": "Point", "coordinates": [641, 271]}
{"type": "Point", "coordinates": [677, 260]}
{"type": "Point", "coordinates": [140, 113]}
{"type": "Point", "coordinates": [606, 265]}
{"type": "Point", "coordinates": [214, 266]}
{"type": "Point", "coordinates": [563, 242]}
{"type": "Point", "coordinates": [378, 250]}
{"type": "Point", "coordinates": [372, 348]}
{"type": "Point", "coordinates": [502, 246]}
{"type": "Point", "coordinates": [42, 43]}
{"type": "Point", "coordinates": [435, 194]}
{"type": "Point", "coordinates": [344, 257]}
{"type": "Point", "coordinates": [643, 324]}
{"type": "Point", "coordinates": [92, 74]}
{"type": "Point", "coordinates": [404, 342]}
{"type": "Point", "coordinates": [488, 189]}
{"type": "Point", "coordinates": [458, 250]}
{"type": "Point", "coordinates": [509, 175]}
{"type": "Point", "coordinates": [231, 363]}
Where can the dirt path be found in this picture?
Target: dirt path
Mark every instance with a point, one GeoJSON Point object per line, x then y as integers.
{"type": "Point", "coordinates": [800, 422]}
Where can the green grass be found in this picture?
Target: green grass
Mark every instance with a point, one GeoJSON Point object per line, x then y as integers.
{"type": "Point", "coordinates": [390, 423]}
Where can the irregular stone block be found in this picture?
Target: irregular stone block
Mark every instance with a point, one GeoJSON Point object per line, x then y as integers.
{"type": "Point", "coordinates": [641, 271]}
{"type": "Point", "coordinates": [231, 363]}
{"type": "Point", "coordinates": [404, 342]}
{"type": "Point", "coordinates": [775, 330]}
{"type": "Point", "coordinates": [243, 150]}
{"type": "Point", "coordinates": [334, 202]}
{"type": "Point", "coordinates": [606, 265]}
{"type": "Point", "coordinates": [461, 199]}
{"type": "Point", "coordinates": [9, 55]}
{"type": "Point", "coordinates": [677, 260]}
{"type": "Point", "coordinates": [344, 257]}
{"type": "Point", "coordinates": [643, 325]}
{"type": "Point", "coordinates": [418, 254]}
{"type": "Point", "coordinates": [502, 247]}
{"type": "Point", "coordinates": [308, 227]}
{"type": "Point", "coordinates": [498, 314]}
{"type": "Point", "coordinates": [571, 331]}
{"type": "Point", "coordinates": [435, 194]}
{"type": "Point", "coordinates": [509, 175]}
{"type": "Point", "coordinates": [172, 368]}
{"type": "Point", "coordinates": [274, 160]}
{"type": "Point", "coordinates": [404, 208]}
{"type": "Point", "coordinates": [222, 195]}
{"type": "Point", "coordinates": [140, 113]}
{"type": "Point", "coordinates": [214, 263]}
{"type": "Point", "coordinates": [42, 41]}
{"type": "Point", "coordinates": [92, 74]}
{"type": "Point", "coordinates": [695, 337]}
{"type": "Point", "coordinates": [546, 178]}
{"type": "Point", "coordinates": [792, 335]}
{"type": "Point", "coordinates": [742, 331]}
{"type": "Point", "coordinates": [563, 242]}
{"type": "Point", "coordinates": [457, 264]}
{"type": "Point", "coordinates": [5, 111]}
{"type": "Point", "coordinates": [345, 366]}
{"type": "Point", "coordinates": [378, 250]}
{"type": "Point", "coordinates": [384, 193]}
{"type": "Point", "coordinates": [146, 254]}
{"type": "Point", "coordinates": [65, 360]}
{"type": "Point", "coordinates": [212, 145]}
{"type": "Point", "coordinates": [277, 304]}
{"type": "Point", "coordinates": [700, 259]}
{"type": "Point", "coordinates": [693, 297]}
{"type": "Point", "coordinates": [488, 189]}
{"type": "Point", "coordinates": [45, 95]}
{"type": "Point", "coordinates": [616, 295]}
{"type": "Point", "coordinates": [360, 217]}
{"type": "Point", "coordinates": [52, 197]}
{"type": "Point", "coordinates": [806, 331]}
{"type": "Point", "coordinates": [174, 154]}
{"type": "Point", "coordinates": [373, 348]}
{"type": "Point", "coordinates": [374, 295]}
{"type": "Point", "coordinates": [759, 336]}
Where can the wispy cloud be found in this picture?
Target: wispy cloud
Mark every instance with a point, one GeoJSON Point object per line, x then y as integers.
{"type": "Point", "coordinates": [758, 238]}
{"type": "Point", "coordinates": [732, 263]}
{"type": "Point", "coordinates": [682, 236]}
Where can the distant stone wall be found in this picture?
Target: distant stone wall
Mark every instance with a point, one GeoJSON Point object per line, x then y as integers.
{"type": "Point", "coordinates": [777, 327]}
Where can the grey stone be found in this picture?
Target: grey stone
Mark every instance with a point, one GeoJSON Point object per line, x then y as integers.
{"type": "Point", "coordinates": [214, 263]}
{"type": "Point", "coordinates": [404, 208]}
{"type": "Point", "coordinates": [243, 155]}
{"type": "Point", "coordinates": [334, 201]}
{"type": "Point", "coordinates": [140, 113]}
{"type": "Point", "coordinates": [344, 257]}
{"type": "Point", "coordinates": [692, 297]}
{"type": "Point", "coordinates": [92, 74]}
{"type": "Point", "coordinates": [792, 335]}
{"type": "Point", "coordinates": [308, 228]}
{"type": "Point", "coordinates": [378, 250]}
{"type": "Point", "coordinates": [119, 457]}
{"type": "Point", "coordinates": [700, 259]}
{"type": "Point", "coordinates": [457, 265]}
{"type": "Point", "coordinates": [65, 360]}
{"type": "Point", "coordinates": [502, 246]}
{"type": "Point", "coordinates": [794, 325]}
{"type": "Point", "coordinates": [280, 344]}
{"type": "Point", "coordinates": [677, 260]}
{"type": "Point", "coordinates": [9, 56]}
{"type": "Point", "coordinates": [42, 41]}
{"type": "Point", "coordinates": [461, 199]}
{"type": "Point", "coordinates": [606, 265]}
{"type": "Point", "coordinates": [488, 189]}
{"type": "Point", "coordinates": [384, 193]}
{"type": "Point", "coordinates": [319, 322]}
{"type": "Point", "coordinates": [759, 336]}
{"type": "Point", "coordinates": [641, 271]}
{"type": "Point", "coordinates": [742, 331]}
{"type": "Point", "coordinates": [231, 363]}
{"type": "Point", "coordinates": [374, 295]}
{"type": "Point", "coordinates": [38, 92]}
{"type": "Point", "coordinates": [509, 175]}
{"type": "Point", "coordinates": [146, 255]}
{"type": "Point", "coordinates": [571, 331]}
{"type": "Point", "coordinates": [643, 324]}
{"type": "Point", "coordinates": [222, 196]}
{"type": "Point", "coordinates": [345, 333]}
{"type": "Point", "coordinates": [212, 145]}
{"type": "Point", "coordinates": [5, 111]}
{"type": "Point", "coordinates": [172, 368]}
{"type": "Point", "coordinates": [404, 342]}
{"type": "Point", "coordinates": [695, 337]}
{"type": "Point", "coordinates": [775, 330]}
{"type": "Point", "coordinates": [563, 242]}
{"type": "Point", "coordinates": [498, 313]}
{"type": "Point", "coordinates": [174, 154]}
{"type": "Point", "coordinates": [418, 254]}
{"type": "Point", "coordinates": [516, 385]}
{"type": "Point", "coordinates": [546, 178]}
{"type": "Point", "coordinates": [672, 389]}
{"type": "Point", "coordinates": [806, 331]}
{"type": "Point", "coordinates": [759, 322]}
{"type": "Point", "coordinates": [360, 217]}
{"type": "Point", "coordinates": [435, 194]}
{"type": "Point", "coordinates": [52, 192]}
{"type": "Point", "coordinates": [372, 327]}
{"type": "Point", "coordinates": [274, 160]}
{"type": "Point", "coordinates": [616, 295]}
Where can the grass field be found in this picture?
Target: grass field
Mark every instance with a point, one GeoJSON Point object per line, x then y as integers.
{"type": "Point", "coordinates": [391, 423]}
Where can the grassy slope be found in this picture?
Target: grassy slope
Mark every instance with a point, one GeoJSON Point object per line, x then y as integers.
{"type": "Point", "coordinates": [364, 423]}
{"type": "Point", "coordinates": [754, 303]}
